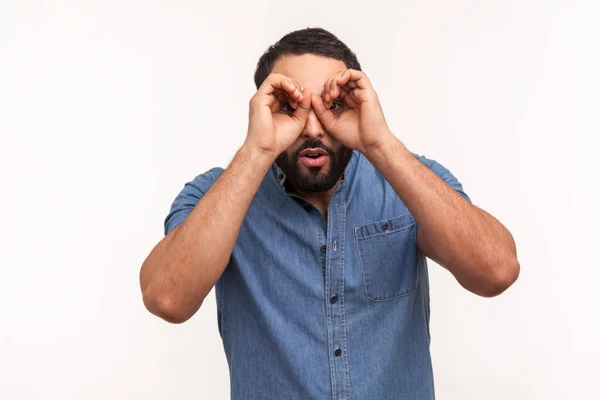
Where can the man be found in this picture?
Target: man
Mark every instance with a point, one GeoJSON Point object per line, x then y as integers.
{"type": "Point", "coordinates": [316, 237]}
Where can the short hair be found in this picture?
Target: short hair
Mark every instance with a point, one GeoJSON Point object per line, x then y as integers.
{"type": "Point", "coordinates": [316, 41]}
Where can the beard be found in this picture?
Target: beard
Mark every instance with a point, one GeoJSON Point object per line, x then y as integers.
{"type": "Point", "coordinates": [314, 179]}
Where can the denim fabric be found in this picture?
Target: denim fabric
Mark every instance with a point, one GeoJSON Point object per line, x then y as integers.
{"type": "Point", "coordinates": [315, 309]}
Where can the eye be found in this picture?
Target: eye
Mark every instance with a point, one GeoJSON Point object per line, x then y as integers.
{"type": "Point", "coordinates": [286, 108]}
{"type": "Point", "coordinates": [336, 106]}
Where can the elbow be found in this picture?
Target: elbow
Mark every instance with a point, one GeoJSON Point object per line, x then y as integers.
{"type": "Point", "coordinates": [501, 277]}
{"type": "Point", "coordinates": [161, 300]}
{"type": "Point", "coordinates": [166, 306]}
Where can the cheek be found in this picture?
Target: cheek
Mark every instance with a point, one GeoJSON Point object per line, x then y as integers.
{"type": "Point", "coordinates": [332, 143]}
{"type": "Point", "coordinates": [338, 149]}
{"type": "Point", "coordinates": [290, 154]}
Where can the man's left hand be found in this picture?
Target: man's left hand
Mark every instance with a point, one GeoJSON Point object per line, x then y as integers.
{"type": "Point", "coordinates": [349, 109]}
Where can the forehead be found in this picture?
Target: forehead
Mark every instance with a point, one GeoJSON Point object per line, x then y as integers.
{"type": "Point", "coordinates": [309, 70]}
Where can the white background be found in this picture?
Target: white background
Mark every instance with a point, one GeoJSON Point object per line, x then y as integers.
{"type": "Point", "coordinates": [108, 107]}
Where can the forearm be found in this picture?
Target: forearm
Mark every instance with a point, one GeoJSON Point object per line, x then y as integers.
{"type": "Point", "coordinates": [185, 265]}
{"type": "Point", "coordinates": [475, 247]}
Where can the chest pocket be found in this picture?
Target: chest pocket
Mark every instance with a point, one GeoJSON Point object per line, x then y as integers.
{"type": "Point", "coordinates": [387, 252]}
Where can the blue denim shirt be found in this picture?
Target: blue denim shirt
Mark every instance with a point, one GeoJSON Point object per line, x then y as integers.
{"type": "Point", "coordinates": [315, 309]}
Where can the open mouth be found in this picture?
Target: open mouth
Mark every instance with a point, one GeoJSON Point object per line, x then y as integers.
{"type": "Point", "coordinates": [313, 153]}
{"type": "Point", "coordinates": [313, 157]}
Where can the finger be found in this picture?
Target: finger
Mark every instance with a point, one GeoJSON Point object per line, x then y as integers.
{"type": "Point", "coordinates": [325, 93]}
{"type": "Point", "coordinates": [280, 88]}
{"type": "Point", "coordinates": [327, 99]}
{"type": "Point", "coordinates": [355, 79]}
{"type": "Point", "coordinates": [294, 90]}
{"type": "Point", "coordinates": [298, 85]}
{"type": "Point", "coordinates": [293, 103]}
{"type": "Point", "coordinates": [343, 93]}
{"type": "Point", "coordinates": [330, 85]}
{"type": "Point", "coordinates": [347, 88]}
{"type": "Point", "coordinates": [334, 87]}
{"type": "Point", "coordinates": [324, 114]}
{"type": "Point", "coordinates": [351, 101]}
{"type": "Point", "coordinates": [347, 81]}
{"type": "Point", "coordinates": [302, 110]}
{"type": "Point", "coordinates": [275, 82]}
{"type": "Point", "coordinates": [283, 98]}
{"type": "Point", "coordinates": [297, 95]}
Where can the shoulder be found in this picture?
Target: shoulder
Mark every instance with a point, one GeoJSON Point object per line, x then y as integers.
{"type": "Point", "coordinates": [444, 173]}
{"type": "Point", "coordinates": [189, 196]}
{"type": "Point", "coordinates": [208, 177]}
{"type": "Point", "coordinates": [432, 164]}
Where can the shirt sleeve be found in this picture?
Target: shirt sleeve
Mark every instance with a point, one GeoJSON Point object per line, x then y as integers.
{"type": "Point", "coordinates": [443, 173]}
{"type": "Point", "coordinates": [189, 196]}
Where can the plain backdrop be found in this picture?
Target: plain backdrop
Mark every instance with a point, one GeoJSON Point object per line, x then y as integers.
{"type": "Point", "coordinates": [108, 107]}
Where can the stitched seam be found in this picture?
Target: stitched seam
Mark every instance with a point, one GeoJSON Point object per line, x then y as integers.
{"type": "Point", "coordinates": [343, 308]}
{"type": "Point", "coordinates": [362, 268]}
{"type": "Point", "coordinates": [363, 237]}
{"type": "Point", "coordinates": [376, 223]}
{"type": "Point", "coordinates": [328, 319]}
{"type": "Point", "coordinates": [212, 177]}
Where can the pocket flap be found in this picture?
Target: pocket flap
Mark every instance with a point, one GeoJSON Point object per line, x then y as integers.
{"type": "Point", "coordinates": [384, 226]}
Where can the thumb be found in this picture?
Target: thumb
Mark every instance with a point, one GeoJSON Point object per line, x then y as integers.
{"type": "Point", "coordinates": [324, 114]}
{"type": "Point", "coordinates": [300, 115]}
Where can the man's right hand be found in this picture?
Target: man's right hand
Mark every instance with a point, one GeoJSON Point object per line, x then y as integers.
{"type": "Point", "coordinates": [278, 113]}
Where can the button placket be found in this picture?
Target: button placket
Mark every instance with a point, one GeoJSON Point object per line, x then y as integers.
{"type": "Point", "coordinates": [334, 287]}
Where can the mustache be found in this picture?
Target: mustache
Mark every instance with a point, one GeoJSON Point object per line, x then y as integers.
{"type": "Point", "coordinates": [313, 145]}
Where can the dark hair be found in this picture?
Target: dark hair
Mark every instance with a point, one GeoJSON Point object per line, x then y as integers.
{"type": "Point", "coordinates": [316, 41]}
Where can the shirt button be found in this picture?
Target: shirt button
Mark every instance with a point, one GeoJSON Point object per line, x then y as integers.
{"type": "Point", "coordinates": [338, 352]}
{"type": "Point", "coordinates": [386, 226]}
{"type": "Point", "coordinates": [333, 299]}
{"type": "Point", "coordinates": [323, 249]}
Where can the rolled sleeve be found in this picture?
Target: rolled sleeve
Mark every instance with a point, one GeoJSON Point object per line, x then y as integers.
{"type": "Point", "coordinates": [189, 196]}
{"type": "Point", "coordinates": [444, 174]}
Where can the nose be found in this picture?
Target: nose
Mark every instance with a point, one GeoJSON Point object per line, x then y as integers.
{"type": "Point", "coordinates": [313, 129]}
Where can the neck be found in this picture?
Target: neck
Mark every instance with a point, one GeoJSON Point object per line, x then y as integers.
{"type": "Point", "coordinates": [320, 199]}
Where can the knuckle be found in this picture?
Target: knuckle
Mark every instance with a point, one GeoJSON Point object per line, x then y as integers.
{"type": "Point", "coordinates": [253, 100]}
{"type": "Point", "coordinates": [276, 76]}
{"type": "Point", "coordinates": [270, 79]}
